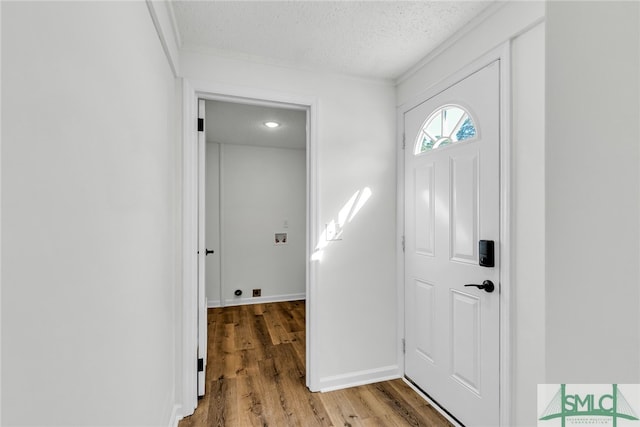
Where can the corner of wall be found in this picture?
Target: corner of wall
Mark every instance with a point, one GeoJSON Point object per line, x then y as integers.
{"type": "Point", "coordinates": [175, 416]}
{"type": "Point", "coordinates": [161, 13]}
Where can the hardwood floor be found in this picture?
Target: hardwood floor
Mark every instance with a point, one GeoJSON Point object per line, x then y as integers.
{"type": "Point", "coordinates": [256, 377]}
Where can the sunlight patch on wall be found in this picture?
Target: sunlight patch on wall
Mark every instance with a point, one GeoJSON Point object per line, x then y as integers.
{"type": "Point", "coordinates": [334, 229]}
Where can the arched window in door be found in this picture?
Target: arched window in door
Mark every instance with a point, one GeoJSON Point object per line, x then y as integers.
{"type": "Point", "coordinates": [446, 125]}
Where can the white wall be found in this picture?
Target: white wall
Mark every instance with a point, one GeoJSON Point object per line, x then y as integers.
{"type": "Point", "coordinates": [89, 216]}
{"type": "Point", "coordinates": [261, 188]}
{"type": "Point", "coordinates": [356, 290]}
{"type": "Point", "coordinates": [592, 210]}
{"type": "Point", "coordinates": [513, 21]}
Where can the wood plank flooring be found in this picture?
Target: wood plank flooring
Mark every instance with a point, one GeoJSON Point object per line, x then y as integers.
{"type": "Point", "coordinates": [256, 377]}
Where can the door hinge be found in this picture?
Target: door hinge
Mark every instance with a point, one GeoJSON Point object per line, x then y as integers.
{"type": "Point", "coordinates": [200, 365]}
{"type": "Point", "coordinates": [200, 125]}
{"type": "Point", "coordinates": [402, 243]}
{"type": "Point", "coordinates": [403, 140]}
{"type": "Point", "coordinates": [404, 346]}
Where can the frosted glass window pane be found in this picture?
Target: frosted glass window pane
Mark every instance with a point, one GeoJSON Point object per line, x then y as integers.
{"type": "Point", "coordinates": [451, 120]}
{"type": "Point", "coordinates": [434, 128]}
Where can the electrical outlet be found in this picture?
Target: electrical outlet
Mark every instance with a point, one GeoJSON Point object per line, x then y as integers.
{"type": "Point", "coordinates": [257, 292]}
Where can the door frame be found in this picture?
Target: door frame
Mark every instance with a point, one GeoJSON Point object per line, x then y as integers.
{"type": "Point", "coordinates": [192, 90]}
{"type": "Point", "coordinates": [507, 301]}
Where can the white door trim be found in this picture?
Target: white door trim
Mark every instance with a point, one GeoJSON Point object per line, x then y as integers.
{"type": "Point", "coordinates": [189, 354]}
{"type": "Point", "coordinates": [192, 90]}
{"type": "Point", "coordinates": [501, 53]}
{"type": "Point", "coordinates": [202, 298]}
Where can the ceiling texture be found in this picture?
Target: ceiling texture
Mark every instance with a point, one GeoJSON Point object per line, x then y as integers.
{"type": "Point", "coordinates": [366, 39]}
{"type": "Point", "coordinates": [373, 39]}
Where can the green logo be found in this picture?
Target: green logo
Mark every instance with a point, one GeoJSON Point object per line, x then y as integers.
{"type": "Point", "coordinates": [584, 407]}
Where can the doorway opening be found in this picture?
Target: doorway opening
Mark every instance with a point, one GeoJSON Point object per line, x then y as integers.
{"type": "Point", "coordinates": [434, 224]}
{"type": "Point", "coordinates": [255, 203]}
{"type": "Point", "coordinates": [196, 95]}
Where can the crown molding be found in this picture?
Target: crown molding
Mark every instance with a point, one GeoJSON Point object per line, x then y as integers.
{"type": "Point", "coordinates": [163, 18]}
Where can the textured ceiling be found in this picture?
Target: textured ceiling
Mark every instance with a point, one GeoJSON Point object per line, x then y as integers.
{"type": "Point", "coordinates": [233, 123]}
{"type": "Point", "coordinates": [380, 39]}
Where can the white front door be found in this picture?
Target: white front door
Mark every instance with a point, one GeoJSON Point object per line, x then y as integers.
{"type": "Point", "coordinates": [202, 249]}
{"type": "Point", "coordinates": [451, 204]}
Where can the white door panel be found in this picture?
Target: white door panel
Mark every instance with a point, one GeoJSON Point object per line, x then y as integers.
{"type": "Point", "coordinates": [425, 209]}
{"type": "Point", "coordinates": [425, 298]}
{"type": "Point", "coordinates": [465, 339]}
{"type": "Point", "coordinates": [463, 169]}
{"type": "Point", "coordinates": [452, 202]}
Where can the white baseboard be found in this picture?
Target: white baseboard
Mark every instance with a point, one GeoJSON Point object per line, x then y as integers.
{"type": "Point", "coordinates": [261, 300]}
{"type": "Point", "coordinates": [213, 303]}
{"type": "Point", "coordinates": [354, 379]}
{"type": "Point", "coordinates": [175, 416]}
{"type": "Point", "coordinates": [256, 300]}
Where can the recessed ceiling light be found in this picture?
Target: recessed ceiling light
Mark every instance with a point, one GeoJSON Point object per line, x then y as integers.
{"type": "Point", "coordinates": [271, 124]}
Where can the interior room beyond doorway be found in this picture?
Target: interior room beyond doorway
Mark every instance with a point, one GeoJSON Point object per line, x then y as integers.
{"type": "Point", "coordinates": [256, 184]}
